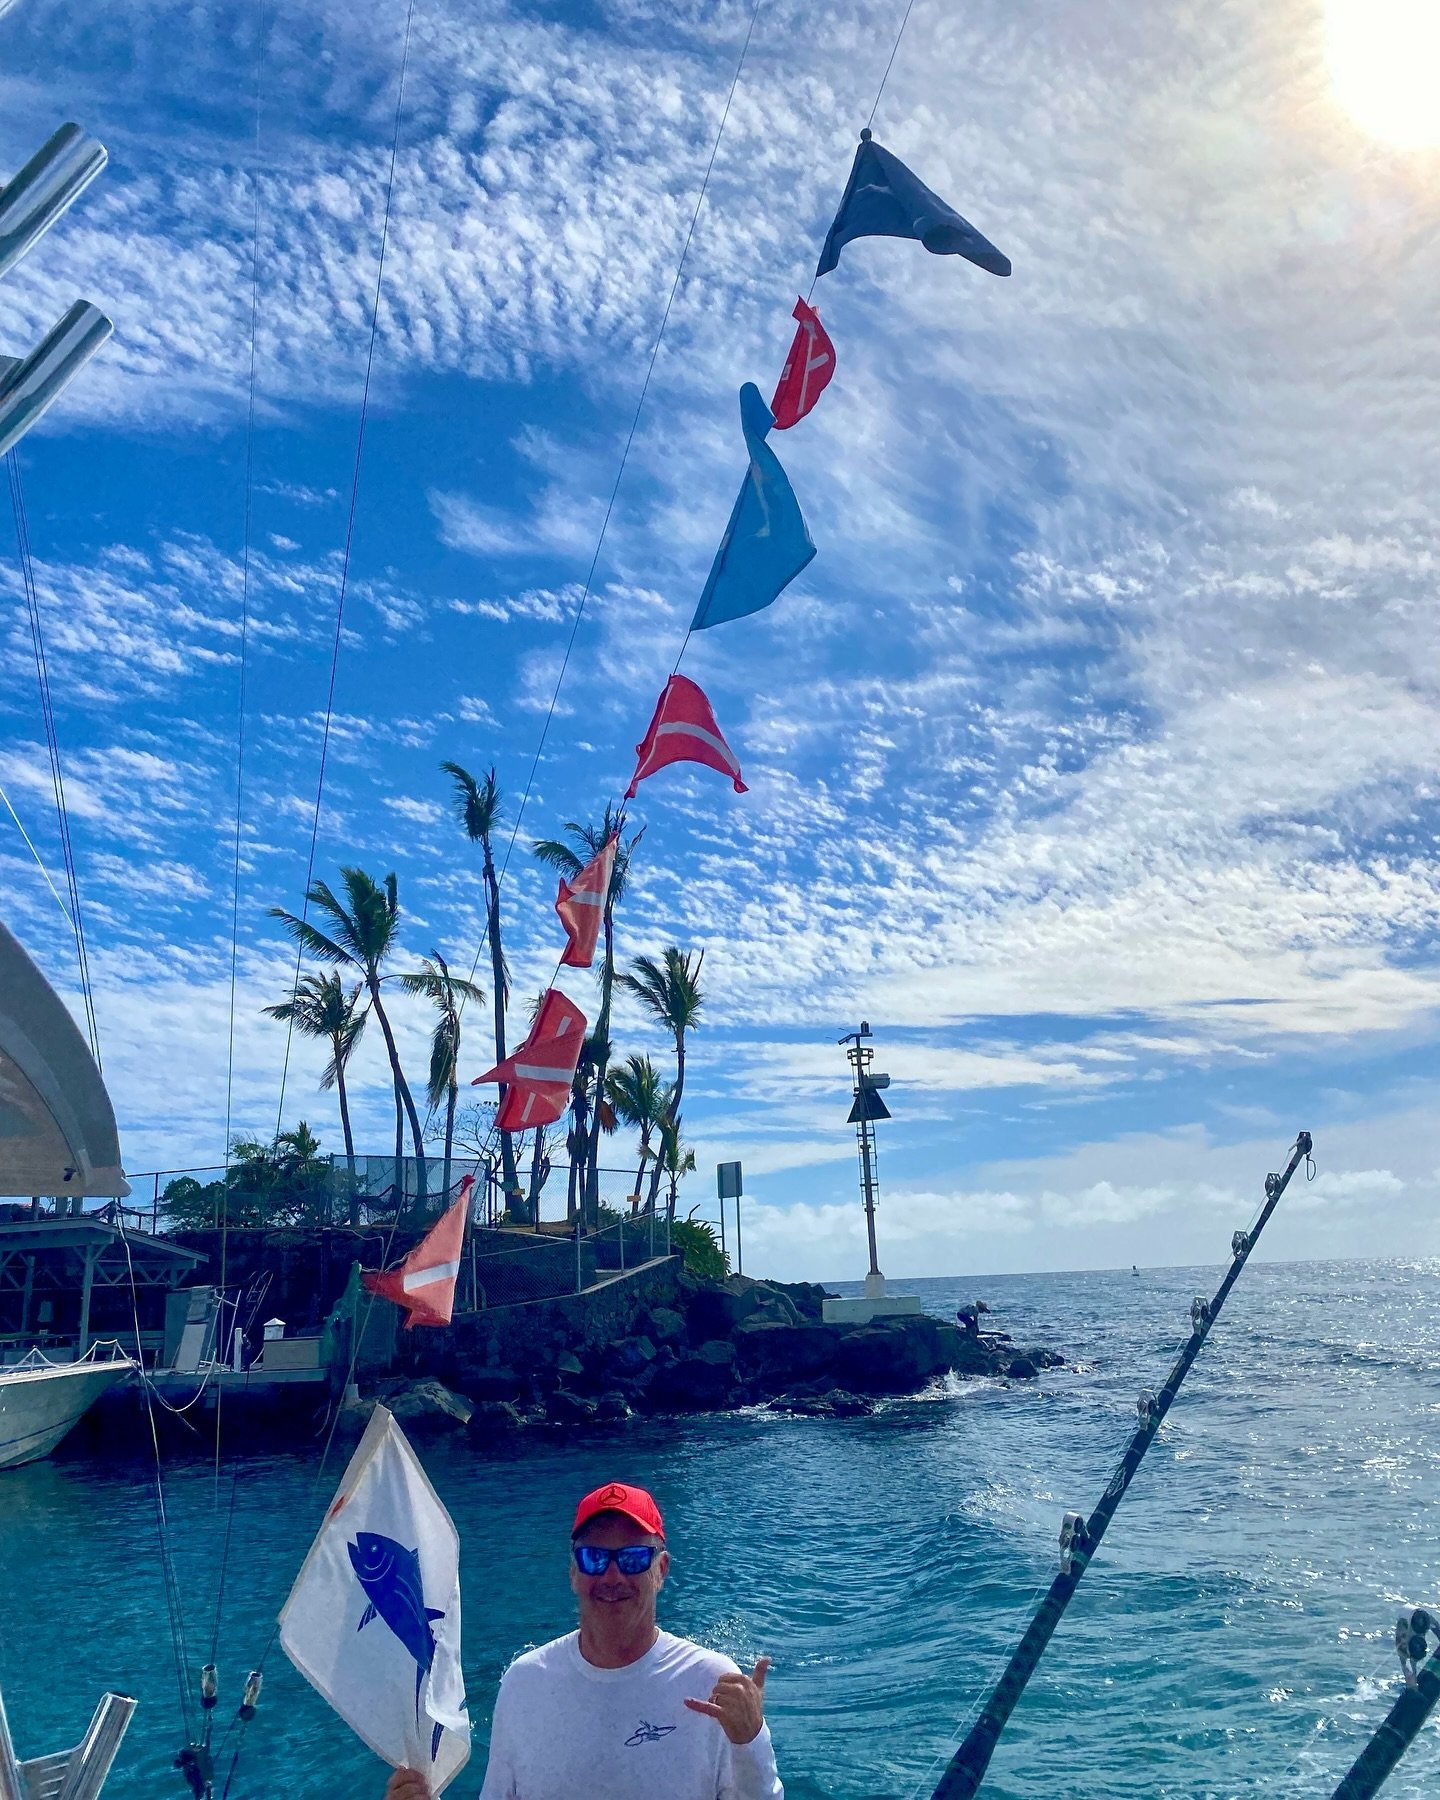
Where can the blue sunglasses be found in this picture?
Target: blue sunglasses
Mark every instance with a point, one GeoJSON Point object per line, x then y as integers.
{"type": "Point", "coordinates": [631, 1559]}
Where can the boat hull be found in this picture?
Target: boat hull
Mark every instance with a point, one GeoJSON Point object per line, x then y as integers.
{"type": "Point", "coordinates": [38, 1406]}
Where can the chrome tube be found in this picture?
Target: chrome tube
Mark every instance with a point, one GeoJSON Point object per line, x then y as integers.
{"type": "Point", "coordinates": [91, 1761]}
{"type": "Point", "coordinates": [52, 180]}
{"type": "Point", "coordinates": [12, 1787]}
{"type": "Point", "coordinates": [34, 383]}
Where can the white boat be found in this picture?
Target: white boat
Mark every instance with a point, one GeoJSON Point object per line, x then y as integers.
{"type": "Point", "coordinates": [41, 1400]}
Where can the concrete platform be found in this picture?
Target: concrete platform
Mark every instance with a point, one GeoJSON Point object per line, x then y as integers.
{"type": "Point", "coordinates": [859, 1309]}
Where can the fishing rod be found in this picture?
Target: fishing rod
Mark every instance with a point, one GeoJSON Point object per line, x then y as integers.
{"type": "Point", "coordinates": [1416, 1631]}
{"type": "Point", "coordinates": [1080, 1537]}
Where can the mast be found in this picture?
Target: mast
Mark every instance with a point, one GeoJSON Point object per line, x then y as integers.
{"type": "Point", "coordinates": [1080, 1537]}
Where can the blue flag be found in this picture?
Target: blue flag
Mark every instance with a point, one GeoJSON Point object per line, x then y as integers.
{"type": "Point", "coordinates": [766, 544]}
{"type": "Point", "coordinates": [885, 199]}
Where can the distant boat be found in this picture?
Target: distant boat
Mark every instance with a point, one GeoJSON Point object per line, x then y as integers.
{"type": "Point", "coordinates": [1134, 1268]}
{"type": "Point", "coordinates": [40, 1401]}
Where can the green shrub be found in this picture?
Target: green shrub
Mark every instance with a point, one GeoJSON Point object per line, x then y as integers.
{"type": "Point", "coordinates": [700, 1243]}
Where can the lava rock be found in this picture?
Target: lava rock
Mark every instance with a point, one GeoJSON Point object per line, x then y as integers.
{"type": "Point", "coordinates": [835, 1403]}
{"type": "Point", "coordinates": [565, 1408]}
{"type": "Point", "coordinates": [479, 1384]}
{"type": "Point", "coordinates": [495, 1418]}
{"type": "Point", "coordinates": [897, 1356]}
{"type": "Point", "coordinates": [768, 1351]}
{"type": "Point", "coordinates": [612, 1407]}
{"type": "Point", "coordinates": [632, 1354]}
{"type": "Point", "coordinates": [666, 1324]}
{"type": "Point", "coordinates": [429, 1403]}
{"type": "Point", "coordinates": [1020, 1368]}
{"type": "Point", "coordinates": [690, 1384]}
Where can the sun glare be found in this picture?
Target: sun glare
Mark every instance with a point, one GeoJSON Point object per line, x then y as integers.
{"type": "Point", "coordinates": [1384, 60]}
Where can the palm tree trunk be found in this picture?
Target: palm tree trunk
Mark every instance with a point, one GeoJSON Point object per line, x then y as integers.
{"type": "Point", "coordinates": [576, 1145]}
{"type": "Point", "coordinates": [537, 1174]}
{"type": "Point", "coordinates": [449, 1134]}
{"type": "Point", "coordinates": [673, 1111]}
{"type": "Point", "coordinates": [675, 1114]}
{"type": "Point", "coordinates": [349, 1136]}
{"type": "Point", "coordinates": [602, 1049]}
{"type": "Point", "coordinates": [403, 1098]}
{"type": "Point", "coordinates": [497, 970]}
{"type": "Point", "coordinates": [640, 1172]}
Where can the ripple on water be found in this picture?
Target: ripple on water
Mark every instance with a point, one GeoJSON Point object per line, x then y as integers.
{"type": "Point", "coordinates": [1231, 1639]}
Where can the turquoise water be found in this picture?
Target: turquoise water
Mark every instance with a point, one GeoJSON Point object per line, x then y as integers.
{"type": "Point", "coordinates": [1233, 1638]}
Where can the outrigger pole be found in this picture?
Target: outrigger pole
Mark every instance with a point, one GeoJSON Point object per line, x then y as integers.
{"type": "Point", "coordinates": [1080, 1537]}
{"type": "Point", "coordinates": [1415, 1631]}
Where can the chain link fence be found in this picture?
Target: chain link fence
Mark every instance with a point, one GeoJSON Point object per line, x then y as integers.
{"type": "Point", "coordinates": [511, 1255]}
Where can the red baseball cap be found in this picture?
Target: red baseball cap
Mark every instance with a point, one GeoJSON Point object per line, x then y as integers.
{"type": "Point", "coordinates": [618, 1497]}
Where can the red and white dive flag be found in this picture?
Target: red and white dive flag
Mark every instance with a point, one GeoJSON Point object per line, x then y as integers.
{"type": "Point", "coordinates": [582, 907]}
{"type": "Point", "coordinates": [807, 370]}
{"type": "Point", "coordinates": [425, 1280]}
{"type": "Point", "coordinates": [683, 730]}
{"type": "Point", "coordinates": [541, 1070]}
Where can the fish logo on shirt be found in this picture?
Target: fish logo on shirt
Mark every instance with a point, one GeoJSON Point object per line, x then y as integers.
{"type": "Point", "coordinates": [390, 1577]}
{"type": "Point", "coordinates": [646, 1733]}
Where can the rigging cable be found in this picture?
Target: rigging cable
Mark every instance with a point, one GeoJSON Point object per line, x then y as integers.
{"type": "Point", "coordinates": [239, 1723]}
{"type": "Point", "coordinates": [219, 1348]}
{"type": "Point", "coordinates": [620, 471]}
{"type": "Point", "coordinates": [162, 1520]}
{"type": "Point", "coordinates": [349, 542]}
{"type": "Point", "coordinates": [639, 406]}
{"type": "Point", "coordinates": [39, 860]}
{"type": "Point", "coordinates": [619, 808]}
{"type": "Point", "coordinates": [52, 741]}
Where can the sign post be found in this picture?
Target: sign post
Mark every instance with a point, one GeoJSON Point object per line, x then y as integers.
{"type": "Point", "coordinates": [729, 1185]}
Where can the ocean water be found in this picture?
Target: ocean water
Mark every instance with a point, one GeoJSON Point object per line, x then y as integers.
{"type": "Point", "coordinates": [1232, 1638]}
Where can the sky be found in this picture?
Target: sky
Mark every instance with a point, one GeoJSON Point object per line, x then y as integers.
{"type": "Point", "coordinates": [1091, 761]}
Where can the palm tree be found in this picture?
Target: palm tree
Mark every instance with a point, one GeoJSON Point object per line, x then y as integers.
{"type": "Point", "coordinates": [361, 935]}
{"type": "Point", "coordinates": [477, 804]}
{"type": "Point", "coordinates": [676, 1158]}
{"type": "Point", "coordinates": [586, 843]}
{"type": "Point", "coordinates": [320, 1008]}
{"type": "Point", "coordinates": [640, 1098]}
{"type": "Point", "coordinates": [670, 990]}
{"type": "Point", "coordinates": [435, 982]}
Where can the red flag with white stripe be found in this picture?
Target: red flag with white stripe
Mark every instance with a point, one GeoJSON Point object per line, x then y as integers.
{"type": "Point", "coordinates": [581, 906]}
{"type": "Point", "coordinates": [684, 730]}
{"type": "Point", "coordinates": [807, 370]}
{"type": "Point", "coordinates": [541, 1070]}
{"type": "Point", "coordinates": [424, 1281]}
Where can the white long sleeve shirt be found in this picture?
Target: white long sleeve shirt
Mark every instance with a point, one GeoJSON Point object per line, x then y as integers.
{"type": "Point", "coordinates": [565, 1730]}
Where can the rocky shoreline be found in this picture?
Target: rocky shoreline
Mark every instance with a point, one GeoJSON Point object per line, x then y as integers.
{"type": "Point", "coordinates": [701, 1347]}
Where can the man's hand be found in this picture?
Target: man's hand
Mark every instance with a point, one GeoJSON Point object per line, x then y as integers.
{"type": "Point", "coordinates": [737, 1701]}
{"type": "Point", "coordinates": [406, 1784]}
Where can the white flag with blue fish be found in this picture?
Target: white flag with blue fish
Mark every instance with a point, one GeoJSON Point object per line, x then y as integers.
{"type": "Point", "coordinates": [373, 1620]}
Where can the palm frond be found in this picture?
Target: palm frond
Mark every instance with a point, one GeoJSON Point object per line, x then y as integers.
{"type": "Point", "coordinates": [557, 856]}
{"type": "Point", "coordinates": [311, 940]}
{"type": "Point", "coordinates": [477, 804]}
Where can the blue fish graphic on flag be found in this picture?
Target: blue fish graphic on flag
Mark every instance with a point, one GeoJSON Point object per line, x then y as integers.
{"type": "Point", "coordinates": [388, 1556]}
{"type": "Point", "coordinates": [767, 543]}
{"type": "Point", "coordinates": [390, 1576]}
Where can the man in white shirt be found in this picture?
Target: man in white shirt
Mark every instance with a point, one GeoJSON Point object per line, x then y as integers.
{"type": "Point", "coordinates": [620, 1710]}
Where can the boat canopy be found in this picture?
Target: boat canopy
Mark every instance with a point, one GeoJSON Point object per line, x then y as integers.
{"type": "Point", "coordinates": [57, 1126]}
